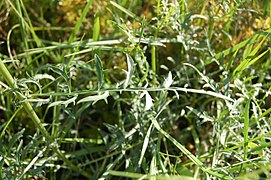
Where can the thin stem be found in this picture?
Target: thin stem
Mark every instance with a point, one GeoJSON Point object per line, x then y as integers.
{"type": "Point", "coordinates": [154, 59]}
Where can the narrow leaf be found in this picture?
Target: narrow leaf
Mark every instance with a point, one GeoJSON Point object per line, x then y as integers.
{"type": "Point", "coordinates": [248, 62]}
{"type": "Point", "coordinates": [99, 67]}
{"type": "Point", "coordinates": [153, 169]}
{"type": "Point", "coordinates": [43, 76]}
{"type": "Point", "coordinates": [149, 102]}
{"type": "Point", "coordinates": [246, 126]}
{"type": "Point", "coordinates": [205, 78]}
{"type": "Point", "coordinates": [126, 11]}
{"type": "Point", "coordinates": [80, 21]}
{"type": "Point", "coordinates": [130, 70]}
{"type": "Point", "coordinates": [96, 29]}
{"type": "Point", "coordinates": [168, 80]}
{"type": "Point", "coordinates": [32, 163]}
{"type": "Point", "coordinates": [65, 103]}
{"type": "Point", "coordinates": [145, 145]}
{"type": "Point", "coordinates": [95, 98]}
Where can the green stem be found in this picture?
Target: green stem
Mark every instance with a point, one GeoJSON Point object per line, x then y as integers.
{"type": "Point", "coordinates": [154, 60]}
{"type": "Point", "coordinates": [30, 111]}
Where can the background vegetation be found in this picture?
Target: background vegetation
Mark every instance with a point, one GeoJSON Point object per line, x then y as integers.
{"type": "Point", "coordinates": [157, 89]}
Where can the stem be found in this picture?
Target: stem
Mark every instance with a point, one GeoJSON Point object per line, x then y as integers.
{"type": "Point", "coordinates": [154, 60]}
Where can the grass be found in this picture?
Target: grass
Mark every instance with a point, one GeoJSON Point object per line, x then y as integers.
{"type": "Point", "coordinates": [132, 90]}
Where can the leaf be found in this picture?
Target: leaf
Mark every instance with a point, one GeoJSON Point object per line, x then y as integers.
{"type": "Point", "coordinates": [14, 138]}
{"type": "Point", "coordinates": [131, 37]}
{"type": "Point", "coordinates": [60, 70]}
{"type": "Point", "coordinates": [153, 168]}
{"type": "Point", "coordinates": [32, 163]}
{"type": "Point", "coordinates": [246, 127]}
{"type": "Point", "coordinates": [182, 170]}
{"type": "Point", "coordinates": [130, 70]}
{"type": "Point", "coordinates": [80, 21]}
{"type": "Point", "coordinates": [95, 98]}
{"type": "Point", "coordinates": [149, 102]}
{"type": "Point", "coordinates": [82, 140]}
{"type": "Point", "coordinates": [243, 43]}
{"type": "Point", "coordinates": [65, 103]}
{"type": "Point", "coordinates": [117, 135]}
{"type": "Point", "coordinates": [168, 80]}
{"type": "Point", "coordinates": [96, 29]}
{"type": "Point", "coordinates": [99, 67]}
{"type": "Point", "coordinates": [205, 78]}
{"type": "Point", "coordinates": [38, 102]}
{"type": "Point", "coordinates": [126, 11]}
{"type": "Point", "coordinates": [145, 145]}
{"type": "Point", "coordinates": [43, 76]}
{"type": "Point", "coordinates": [248, 62]}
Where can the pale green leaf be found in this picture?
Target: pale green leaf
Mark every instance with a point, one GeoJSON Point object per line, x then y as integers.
{"type": "Point", "coordinates": [95, 98]}
{"type": "Point", "coordinates": [130, 70]}
{"type": "Point", "coordinates": [149, 102]}
{"type": "Point", "coordinates": [65, 103]}
{"type": "Point", "coordinates": [168, 80]}
{"type": "Point", "coordinates": [99, 67]}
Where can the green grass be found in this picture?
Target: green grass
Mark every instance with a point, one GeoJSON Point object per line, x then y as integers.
{"type": "Point", "coordinates": [132, 90]}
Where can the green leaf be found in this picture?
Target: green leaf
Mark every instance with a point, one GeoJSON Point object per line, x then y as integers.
{"type": "Point", "coordinates": [95, 98]}
{"type": "Point", "coordinates": [99, 67]}
{"type": "Point", "coordinates": [248, 62]}
{"type": "Point", "coordinates": [81, 140]}
{"type": "Point", "coordinates": [130, 70]}
{"type": "Point", "coordinates": [32, 163]}
{"type": "Point", "coordinates": [243, 43]}
{"type": "Point", "coordinates": [15, 138]}
{"type": "Point", "coordinates": [60, 70]}
{"type": "Point", "coordinates": [149, 102]}
{"type": "Point", "coordinates": [43, 76]}
{"type": "Point", "coordinates": [145, 145]}
{"type": "Point", "coordinates": [209, 83]}
{"type": "Point", "coordinates": [168, 80]}
{"type": "Point", "coordinates": [246, 126]}
{"type": "Point", "coordinates": [65, 103]}
{"type": "Point", "coordinates": [126, 11]}
{"type": "Point", "coordinates": [153, 169]}
{"type": "Point", "coordinates": [80, 21]}
{"type": "Point", "coordinates": [96, 29]}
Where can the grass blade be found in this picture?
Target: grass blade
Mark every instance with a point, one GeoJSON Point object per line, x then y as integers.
{"type": "Point", "coordinates": [99, 67]}
{"type": "Point", "coordinates": [145, 145]}
{"type": "Point", "coordinates": [246, 126]}
{"type": "Point", "coordinates": [79, 22]}
{"type": "Point", "coordinates": [248, 62]}
{"type": "Point", "coordinates": [126, 11]}
{"type": "Point", "coordinates": [96, 29]}
{"type": "Point", "coordinates": [242, 44]}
